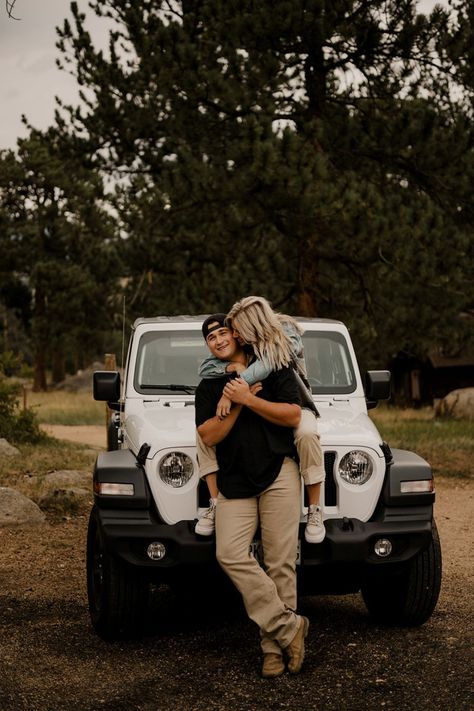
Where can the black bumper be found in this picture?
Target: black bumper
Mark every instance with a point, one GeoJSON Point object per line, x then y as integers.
{"type": "Point", "coordinates": [348, 541]}
{"type": "Point", "coordinates": [352, 541]}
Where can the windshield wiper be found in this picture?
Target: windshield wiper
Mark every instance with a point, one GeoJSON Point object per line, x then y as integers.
{"type": "Point", "coordinates": [171, 386]}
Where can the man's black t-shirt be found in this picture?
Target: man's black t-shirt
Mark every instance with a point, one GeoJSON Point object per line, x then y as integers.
{"type": "Point", "coordinates": [251, 455]}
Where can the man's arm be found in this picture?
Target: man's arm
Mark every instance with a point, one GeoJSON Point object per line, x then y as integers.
{"type": "Point", "coordinates": [214, 430]}
{"type": "Point", "coordinates": [285, 414]}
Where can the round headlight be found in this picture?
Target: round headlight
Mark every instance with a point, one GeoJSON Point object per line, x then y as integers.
{"type": "Point", "coordinates": [176, 469]}
{"type": "Point", "coordinates": [356, 467]}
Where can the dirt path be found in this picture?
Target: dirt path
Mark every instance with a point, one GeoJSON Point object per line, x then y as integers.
{"type": "Point", "coordinates": [205, 659]}
{"type": "Point", "coordinates": [92, 435]}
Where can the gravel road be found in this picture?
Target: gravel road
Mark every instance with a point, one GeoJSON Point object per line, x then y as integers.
{"type": "Point", "coordinates": [199, 658]}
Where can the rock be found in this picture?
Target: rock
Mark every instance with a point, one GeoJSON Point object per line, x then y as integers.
{"type": "Point", "coordinates": [66, 491]}
{"type": "Point", "coordinates": [17, 509]}
{"type": "Point", "coordinates": [81, 381]}
{"type": "Point", "coordinates": [66, 500]}
{"type": "Point", "coordinates": [69, 478]}
{"type": "Point", "coordinates": [7, 449]}
{"type": "Point", "coordinates": [458, 404]}
{"type": "Point", "coordinates": [40, 486]}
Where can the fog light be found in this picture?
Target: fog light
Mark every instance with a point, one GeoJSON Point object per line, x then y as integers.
{"type": "Point", "coordinates": [383, 547]}
{"type": "Point", "coordinates": [156, 551]}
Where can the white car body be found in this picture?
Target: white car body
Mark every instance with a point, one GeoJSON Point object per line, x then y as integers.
{"type": "Point", "coordinates": [167, 423]}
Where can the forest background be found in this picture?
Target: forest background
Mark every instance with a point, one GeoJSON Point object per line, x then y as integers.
{"type": "Point", "coordinates": [317, 153]}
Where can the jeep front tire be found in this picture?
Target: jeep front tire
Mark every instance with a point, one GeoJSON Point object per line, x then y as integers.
{"type": "Point", "coordinates": [118, 598]}
{"type": "Point", "coordinates": [409, 596]}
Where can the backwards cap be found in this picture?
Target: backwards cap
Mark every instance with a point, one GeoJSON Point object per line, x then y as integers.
{"type": "Point", "coordinates": [212, 323]}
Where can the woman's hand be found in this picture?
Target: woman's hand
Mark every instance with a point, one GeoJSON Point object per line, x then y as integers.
{"type": "Point", "coordinates": [255, 388]}
{"type": "Point", "coordinates": [223, 407]}
{"type": "Point", "coordinates": [238, 391]}
{"type": "Point", "coordinates": [235, 368]}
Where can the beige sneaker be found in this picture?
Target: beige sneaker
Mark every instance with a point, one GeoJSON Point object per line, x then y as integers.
{"type": "Point", "coordinates": [272, 665]}
{"type": "Point", "coordinates": [207, 523]}
{"type": "Point", "coordinates": [295, 649]}
{"type": "Point", "coordinates": [314, 531]}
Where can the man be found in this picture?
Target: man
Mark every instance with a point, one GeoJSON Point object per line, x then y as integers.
{"type": "Point", "coordinates": [259, 484]}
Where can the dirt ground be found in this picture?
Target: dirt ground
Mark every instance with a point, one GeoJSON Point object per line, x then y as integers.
{"type": "Point", "coordinates": [198, 658]}
{"type": "Point", "coordinates": [85, 434]}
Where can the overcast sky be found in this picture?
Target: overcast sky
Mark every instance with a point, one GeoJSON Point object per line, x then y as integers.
{"type": "Point", "coordinates": [29, 79]}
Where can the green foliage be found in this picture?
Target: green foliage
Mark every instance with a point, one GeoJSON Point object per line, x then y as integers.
{"type": "Point", "coordinates": [11, 363]}
{"type": "Point", "coordinates": [320, 154]}
{"type": "Point", "coordinates": [17, 426]}
{"type": "Point", "coordinates": [56, 242]}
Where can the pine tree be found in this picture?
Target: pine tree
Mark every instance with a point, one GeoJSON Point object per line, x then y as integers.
{"type": "Point", "coordinates": [56, 241]}
{"type": "Point", "coordinates": [318, 153]}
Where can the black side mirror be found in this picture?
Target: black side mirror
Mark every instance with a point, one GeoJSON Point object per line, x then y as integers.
{"type": "Point", "coordinates": [107, 385]}
{"type": "Point", "coordinates": [377, 386]}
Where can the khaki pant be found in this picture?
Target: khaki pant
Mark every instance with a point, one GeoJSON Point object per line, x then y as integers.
{"type": "Point", "coordinates": [269, 595]}
{"type": "Point", "coordinates": [307, 445]}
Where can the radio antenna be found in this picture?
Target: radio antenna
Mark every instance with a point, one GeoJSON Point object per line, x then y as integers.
{"type": "Point", "coordinates": [122, 379]}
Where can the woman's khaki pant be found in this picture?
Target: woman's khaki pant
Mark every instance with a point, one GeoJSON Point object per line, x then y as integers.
{"type": "Point", "coordinates": [307, 445]}
{"type": "Point", "coordinates": [269, 594]}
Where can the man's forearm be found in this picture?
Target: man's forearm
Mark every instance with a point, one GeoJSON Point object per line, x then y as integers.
{"type": "Point", "coordinates": [284, 414]}
{"type": "Point", "coordinates": [214, 430]}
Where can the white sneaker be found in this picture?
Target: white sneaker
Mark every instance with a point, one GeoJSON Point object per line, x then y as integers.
{"type": "Point", "coordinates": [207, 523]}
{"type": "Point", "coordinates": [314, 531]}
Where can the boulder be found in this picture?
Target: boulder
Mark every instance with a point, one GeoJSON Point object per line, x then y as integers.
{"type": "Point", "coordinates": [7, 449]}
{"type": "Point", "coordinates": [41, 485]}
{"type": "Point", "coordinates": [66, 500]}
{"type": "Point", "coordinates": [458, 404]}
{"type": "Point", "coordinates": [17, 509]}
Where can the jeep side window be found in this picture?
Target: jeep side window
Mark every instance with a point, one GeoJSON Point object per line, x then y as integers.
{"type": "Point", "coordinates": [328, 362]}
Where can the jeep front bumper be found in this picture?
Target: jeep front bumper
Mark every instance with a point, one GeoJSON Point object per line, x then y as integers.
{"type": "Point", "coordinates": [348, 542]}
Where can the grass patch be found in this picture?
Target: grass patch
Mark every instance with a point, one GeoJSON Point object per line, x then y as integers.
{"type": "Point", "coordinates": [447, 444]}
{"type": "Point", "coordinates": [40, 459]}
{"type": "Point", "coordinates": [65, 408]}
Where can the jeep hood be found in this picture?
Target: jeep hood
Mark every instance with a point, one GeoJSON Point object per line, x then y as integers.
{"type": "Point", "coordinates": [162, 424]}
{"type": "Point", "coordinates": [171, 424]}
{"type": "Point", "coordinates": [344, 426]}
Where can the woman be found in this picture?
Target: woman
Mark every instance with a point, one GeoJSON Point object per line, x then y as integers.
{"type": "Point", "coordinates": [276, 342]}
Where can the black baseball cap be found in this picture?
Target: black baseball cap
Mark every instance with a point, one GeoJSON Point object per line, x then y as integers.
{"type": "Point", "coordinates": [212, 323]}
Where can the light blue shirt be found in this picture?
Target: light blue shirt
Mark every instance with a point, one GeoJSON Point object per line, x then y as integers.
{"type": "Point", "coordinates": [212, 367]}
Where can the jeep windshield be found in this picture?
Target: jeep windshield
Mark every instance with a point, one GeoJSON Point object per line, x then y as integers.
{"type": "Point", "coordinates": [168, 361]}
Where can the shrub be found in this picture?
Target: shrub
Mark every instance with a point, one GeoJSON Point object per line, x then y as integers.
{"type": "Point", "coordinates": [17, 425]}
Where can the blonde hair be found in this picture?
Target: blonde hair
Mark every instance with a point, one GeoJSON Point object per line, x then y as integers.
{"type": "Point", "coordinates": [262, 328]}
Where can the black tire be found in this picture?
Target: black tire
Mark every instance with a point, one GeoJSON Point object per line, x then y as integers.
{"type": "Point", "coordinates": [408, 597]}
{"type": "Point", "coordinates": [118, 597]}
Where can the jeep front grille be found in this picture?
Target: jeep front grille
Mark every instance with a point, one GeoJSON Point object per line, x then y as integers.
{"type": "Point", "coordinates": [330, 488]}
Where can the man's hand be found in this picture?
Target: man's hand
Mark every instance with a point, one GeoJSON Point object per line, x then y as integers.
{"type": "Point", "coordinates": [223, 407]}
{"type": "Point", "coordinates": [235, 368]}
{"type": "Point", "coordinates": [238, 391]}
{"type": "Point", "coordinates": [284, 414]}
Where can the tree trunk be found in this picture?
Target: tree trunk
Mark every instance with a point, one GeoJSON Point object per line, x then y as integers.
{"type": "Point", "coordinates": [40, 337]}
{"type": "Point", "coordinates": [39, 378]}
{"type": "Point", "coordinates": [58, 366]}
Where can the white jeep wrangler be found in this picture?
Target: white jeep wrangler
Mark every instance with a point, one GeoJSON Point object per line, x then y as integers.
{"type": "Point", "coordinates": [381, 538]}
